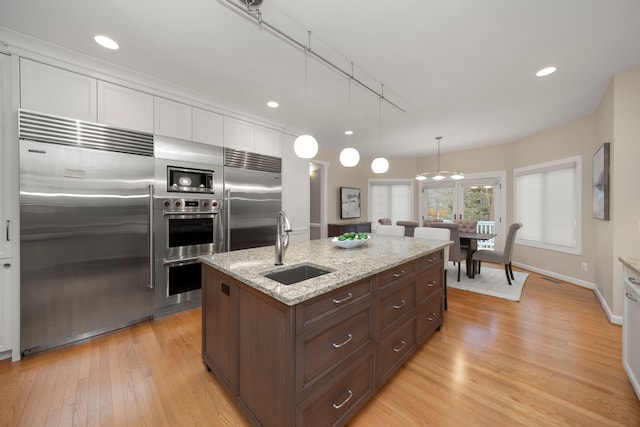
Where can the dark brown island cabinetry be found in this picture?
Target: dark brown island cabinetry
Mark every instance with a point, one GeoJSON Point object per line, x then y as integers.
{"type": "Point", "coordinates": [318, 362]}
{"type": "Point", "coordinates": [343, 227]}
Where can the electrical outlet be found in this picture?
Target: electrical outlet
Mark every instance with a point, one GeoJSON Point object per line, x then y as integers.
{"type": "Point", "coordinates": [584, 266]}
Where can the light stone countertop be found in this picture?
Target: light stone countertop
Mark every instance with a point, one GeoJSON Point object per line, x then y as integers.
{"type": "Point", "coordinates": [349, 265]}
{"type": "Point", "coordinates": [632, 263]}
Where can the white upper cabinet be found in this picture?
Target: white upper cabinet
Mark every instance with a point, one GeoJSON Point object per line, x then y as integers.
{"type": "Point", "coordinates": [238, 134]}
{"type": "Point", "coordinates": [267, 141]}
{"type": "Point", "coordinates": [59, 92]}
{"type": "Point", "coordinates": [126, 108]}
{"type": "Point", "coordinates": [207, 127]}
{"type": "Point", "coordinates": [172, 119]}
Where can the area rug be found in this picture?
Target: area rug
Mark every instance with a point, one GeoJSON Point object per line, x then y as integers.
{"type": "Point", "coordinates": [491, 281]}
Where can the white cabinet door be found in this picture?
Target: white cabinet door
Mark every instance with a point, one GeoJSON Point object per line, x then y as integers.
{"type": "Point", "coordinates": [295, 190]}
{"type": "Point", "coordinates": [52, 90]}
{"type": "Point", "coordinates": [207, 127]}
{"type": "Point", "coordinates": [6, 303]}
{"type": "Point", "coordinates": [172, 119]}
{"type": "Point", "coordinates": [124, 108]}
{"type": "Point", "coordinates": [268, 141]}
{"type": "Point", "coordinates": [238, 134]}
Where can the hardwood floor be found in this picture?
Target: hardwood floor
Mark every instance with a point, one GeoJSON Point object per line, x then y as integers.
{"type": "Point", "coordinates": [551, 359]}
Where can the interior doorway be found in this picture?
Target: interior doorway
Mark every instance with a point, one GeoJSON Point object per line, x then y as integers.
{"type": "Point", "coordinates": [317, 199]}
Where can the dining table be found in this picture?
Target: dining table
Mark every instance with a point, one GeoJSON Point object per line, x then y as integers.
{"type": "Point", "coordinates": [471, 240]}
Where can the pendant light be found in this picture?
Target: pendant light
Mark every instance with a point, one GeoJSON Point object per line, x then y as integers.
{"type": "Point", "coordinates": [380, 164]}
{"type": "Point", "coordinates": [439, 175]}
{"type": "Point", "coordinates": [349, 157]}
{"type": "Point", "coordinates": [305, 146]}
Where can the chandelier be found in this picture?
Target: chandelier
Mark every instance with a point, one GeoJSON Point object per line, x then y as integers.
{"type": "Point", "coordinates": [438, 174]}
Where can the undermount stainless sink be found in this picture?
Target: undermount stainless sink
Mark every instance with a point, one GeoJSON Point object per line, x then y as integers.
{"type": "Point", "coordinates": [297, 273]}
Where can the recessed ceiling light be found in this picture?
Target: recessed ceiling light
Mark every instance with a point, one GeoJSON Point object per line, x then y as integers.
{"type": "Point", "coordinates": [348, 132]}
{"type": "Point", "coordinates": [546, 71]}
{"type": "Point", "coordinates": [105, 41]}
{"type": "Point", "coordinates": [272, 104]}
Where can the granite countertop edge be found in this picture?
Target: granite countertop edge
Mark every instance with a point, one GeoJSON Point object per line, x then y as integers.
{"type": "Point", "coordinates": [347, 266]}
{"type": "Point", "coordinates": [632, 262]}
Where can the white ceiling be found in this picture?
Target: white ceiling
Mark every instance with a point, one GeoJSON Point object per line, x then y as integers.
{"type": "Point", "coordinates": [462, 69]}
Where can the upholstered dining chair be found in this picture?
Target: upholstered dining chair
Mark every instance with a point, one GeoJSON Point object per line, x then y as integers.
{"type": "Point", "coordinates": [503, 257]}
{"type": "Point", "coordinates": [456, 254]}
{"type": "Point", "coordinates": [409, 226]}
{"type": "Point", "coordinates": [384, 221]}
{"type": "Point", "coordinates": [390, 230]}
{"type": "Point", "coordinates": [466, 226]}
{"type": "Point", "coordinates": [434, 233]}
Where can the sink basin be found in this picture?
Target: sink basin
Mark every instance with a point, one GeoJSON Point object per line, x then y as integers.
{"type": "Point", "coordinates": [296, 273]}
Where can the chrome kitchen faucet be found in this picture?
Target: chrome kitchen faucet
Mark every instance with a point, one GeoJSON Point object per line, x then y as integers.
{"type": "Point", "coordinates": [283, 228]}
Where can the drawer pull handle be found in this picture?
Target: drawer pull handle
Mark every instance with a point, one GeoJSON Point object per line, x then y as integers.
{"type": "Point", "coordinates": [629, 295]}
{"type": "Point", "coordinates": [340, 301]}
{"type": "Point", "coordinates": [402, 344]}
{"type": "Point", "coordinates": [634, 281]}
{"type": "Point", "coordinates": [432, 316]}
{"type": "Point", "coordinates": [344, 401]}
{"type": "Point", "coordinates": [349, 338]}
{"type": "Point", "coordinates": [402, 273]}
{"type": "Point", "coordinates": [397, 306]}
{"type": "Point", "coordinates": [431, 259]}
{"type": "Point", "coordinates": [432, 283]}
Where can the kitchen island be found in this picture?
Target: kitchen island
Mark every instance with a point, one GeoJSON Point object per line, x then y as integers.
{"type": "Point", "coordinates": [314, 352]}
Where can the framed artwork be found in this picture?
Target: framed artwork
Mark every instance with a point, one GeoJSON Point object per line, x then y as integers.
{"type": "Point", "coordinates": [349, 202]}
{"type": "Point", "coordinates": [601, 182]}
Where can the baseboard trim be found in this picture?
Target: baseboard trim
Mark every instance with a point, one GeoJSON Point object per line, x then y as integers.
{"type": "Point", "coordinates": [616, 320]}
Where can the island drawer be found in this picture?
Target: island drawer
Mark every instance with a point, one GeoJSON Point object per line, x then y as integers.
{"type": "Point", "coordinates": [320, 350]}
{"type": "Point", "coordinates": [427, 261]}
{"type": "Point", "coordinates": [396, 275]}
{"type": "Point", "coordinates": [340, 398]}
{"type": "Point", "coordinates": [429, 317]}
{"type": "Point", "coordinates": [394, 348]}
{"type": "Point", "coordinates": [394, 306]}
{"type": "Point", "coordinates": [331, 304]}
{"type": "Point", "coordinates": [428, 284]}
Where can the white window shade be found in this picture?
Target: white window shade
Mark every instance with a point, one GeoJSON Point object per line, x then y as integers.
{"type": "Point", "coordinates": [548, 204]}
{"type": "Point", "coordinates": [390, 199]}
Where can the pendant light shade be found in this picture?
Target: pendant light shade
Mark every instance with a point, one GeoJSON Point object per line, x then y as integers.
{"type": "Point", "coordinates": [349, 157]}
{"type": "Point", "coordinates": [305, 146]}
{"type": "Point", "coordinates": [380, 165]}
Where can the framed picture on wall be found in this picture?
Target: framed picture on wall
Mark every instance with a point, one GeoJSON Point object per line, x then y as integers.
{"type": "Point", "coordinates": [601, 182]}
{"type": "Point", "coordinates": [349, 202]}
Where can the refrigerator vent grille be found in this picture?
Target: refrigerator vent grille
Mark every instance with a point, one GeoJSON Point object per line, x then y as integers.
{"type": "Point", "coordinates": [253, 161]}
{"type": "Point", "coordinates": [60, 130]}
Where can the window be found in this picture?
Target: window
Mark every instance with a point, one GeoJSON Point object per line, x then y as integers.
{"type": "Point", "coordinates": [390, 199]}
{"type": "Point", "coordinates": [548, 200]}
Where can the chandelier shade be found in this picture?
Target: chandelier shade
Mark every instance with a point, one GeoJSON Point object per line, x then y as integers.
{"type": "Point", "coordinates": [439, 174]}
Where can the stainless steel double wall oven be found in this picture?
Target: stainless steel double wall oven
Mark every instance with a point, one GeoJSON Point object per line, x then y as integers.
{"type": "Point", "coordinates": [187, 219]}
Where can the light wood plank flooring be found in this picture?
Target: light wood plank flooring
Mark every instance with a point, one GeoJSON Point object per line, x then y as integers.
{"type": "Point", "coordinates": [551, 359]}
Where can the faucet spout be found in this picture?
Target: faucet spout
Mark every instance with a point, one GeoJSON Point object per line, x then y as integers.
{"type": "Point", "coordinates": [283, 228]}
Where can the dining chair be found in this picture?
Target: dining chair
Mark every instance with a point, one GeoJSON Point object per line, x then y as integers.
{"type": "Point", "coordinates": [384, 221]}
{"type": "Point", "coordinates": [409, 226]}
{"type": "Point", "coordinates": [503, 257]}
{"type": "Point", "coordinates": [466, 226]}
{"type": "Point", "coordinates": [390, 230]}
{"type": "Point", "coordinates": [456, 253]}
{"type": "Point", "coordinates": [434, 233]}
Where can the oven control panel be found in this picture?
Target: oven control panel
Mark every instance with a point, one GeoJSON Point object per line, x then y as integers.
{"type": "Point", "coordinates": [188, 205]}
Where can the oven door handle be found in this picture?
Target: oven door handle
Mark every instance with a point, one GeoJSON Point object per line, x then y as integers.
{"type": "Point", "coordinates": [151, 284]}
{"type": "Point", "coordinates": [199, 214]}
{"type": "Point", "coordinates": [181, 261]}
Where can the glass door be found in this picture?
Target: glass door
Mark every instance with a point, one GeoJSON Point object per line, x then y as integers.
{"type": "Point", "coordinates": [477, 199]}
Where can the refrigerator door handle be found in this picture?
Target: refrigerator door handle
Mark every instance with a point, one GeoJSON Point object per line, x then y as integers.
{"type": "Point", "coordinates": [227, 206]}
{"type": "Point", "coordinates": [151, 284]}
{"type": "Point", "coordinates": [8, 230]}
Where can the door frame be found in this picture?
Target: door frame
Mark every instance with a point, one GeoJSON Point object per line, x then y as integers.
{"type": "Point", "coordinates": [323, 166]}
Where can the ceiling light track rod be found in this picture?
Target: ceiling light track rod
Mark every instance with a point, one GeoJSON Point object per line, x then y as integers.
{"type": "Point", "coordinates": [257, 16]}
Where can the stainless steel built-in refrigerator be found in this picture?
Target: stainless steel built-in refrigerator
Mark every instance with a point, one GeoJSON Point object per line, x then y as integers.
{"type": "Point", "coordinates": [86, 265]}
{"type": "Point", "coordinates": [253, 197]}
